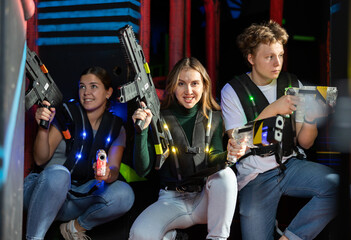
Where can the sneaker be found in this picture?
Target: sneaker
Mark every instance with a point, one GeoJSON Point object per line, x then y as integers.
{"type": "Point", "coordinates": [69, 232]}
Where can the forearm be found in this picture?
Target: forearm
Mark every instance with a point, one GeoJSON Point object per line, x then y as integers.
{"type": "Point", "coordinates": [113, 174]}
{"type": "Point", "coordinates": [216, 149]}
{"type": "Point", "coordinates": [142, 156]}
{"type": "Point", "coordinates": [41, 150]}
{"type": "Point", "coordinates": [218, 158]}
{"type": "Point", "coordinates": [306, 134]}
{"type": "Point", "coordinates": [269, 111]}
{"type": "Point", "coordinates": [45, 144]}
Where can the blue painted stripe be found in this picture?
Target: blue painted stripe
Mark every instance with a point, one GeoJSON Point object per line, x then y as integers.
{"type": "Point", "coordinates": [235, 13]}
{"type": "Point", "coordinates": [77, 40]}
{"type": "Point", "coordinates": [234, 4]}
{"type": "Point", "coordinates": [103, 26]}
{"type": "Point", "coordinates": [10, 130]}
{"type": "Point", "coordinates": [82, 2]}
{"type": "Point", "coordinates": [91, 13]}
{"type": "Point", "coordinates": [335, 8]}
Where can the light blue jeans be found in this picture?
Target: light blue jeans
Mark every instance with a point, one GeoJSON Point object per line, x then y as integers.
{"type": "Point", "coordinates": [46, 198]}
{"type": "Point", "coordinates": [259, 200]}
{"type": "Point", "coordinates": [215, 206]}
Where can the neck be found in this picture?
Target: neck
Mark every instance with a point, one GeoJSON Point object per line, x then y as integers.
{"type": "Point", "coordinates": [180, 109]}
{"type": "Point", "coordinates": [258, 80]}
{"type": "Point", "coordinates": [95, 118]}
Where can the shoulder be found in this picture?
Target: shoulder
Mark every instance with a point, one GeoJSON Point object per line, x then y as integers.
{"type": "Point", "coordinates": [236, 83]}
{"type": "Point", "coordinates": [116, 118]}
{"type": "Point", "coordinates": [228, 97]}
{"type": "Point", "coordinates": [227, 90]}
{"type": "Point", "coordinates": [72, 108]}
{"type": "Point", "coordinates": [72, 104]}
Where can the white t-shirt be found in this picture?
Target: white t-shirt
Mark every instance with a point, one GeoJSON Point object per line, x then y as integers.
{"type": "Point", "coordinates": [233, 117]}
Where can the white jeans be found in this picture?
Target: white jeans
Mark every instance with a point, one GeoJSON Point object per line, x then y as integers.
{"type": "Point", "coordinates": [215, 206]}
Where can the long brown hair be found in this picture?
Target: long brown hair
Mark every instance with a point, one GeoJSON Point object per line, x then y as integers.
{"type": "Point", "coordinates": [207, 101]}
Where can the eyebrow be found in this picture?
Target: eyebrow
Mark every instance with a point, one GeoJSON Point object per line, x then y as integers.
{"type": "Point", "coordinates": [91, 83]}
{"type": "Point", "coordinates": [196, 80]}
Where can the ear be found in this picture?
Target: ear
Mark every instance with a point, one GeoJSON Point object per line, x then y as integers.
{"type": "Point", "coordinates": [250, 59]}
{"type": "Point", "coordinates": [109, 92]}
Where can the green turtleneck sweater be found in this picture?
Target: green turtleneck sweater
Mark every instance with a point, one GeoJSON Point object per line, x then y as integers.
{"type": "Point", "coordinates": [144, 151]}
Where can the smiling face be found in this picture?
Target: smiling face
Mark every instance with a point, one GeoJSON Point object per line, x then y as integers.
{"type": "Point", "coordinates": [189, 88]}
{"type": "Point", "coordinates": [92, 93]}
{"type": "Point", "coordinates": [267, 62]}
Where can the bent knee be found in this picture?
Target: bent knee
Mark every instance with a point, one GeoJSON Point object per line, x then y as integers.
{"type": "Point", "coordinates": [331, 183]}
{"type": "Point", "coordinates": [225, 180]}
{"type": "Point", "coordinates": [56, 177]}
{"type": "Point", "coordinates": [227, 176]}
{"type": "Point", "coordinates": [123, 196]}
{"type": "Point", "coordinates": [140, 232]}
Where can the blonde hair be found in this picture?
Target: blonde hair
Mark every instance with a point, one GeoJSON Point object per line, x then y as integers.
{"type": "Point", "coordinates": [267, 33]}
{"type": "Point", "coordinates": [207, 101]}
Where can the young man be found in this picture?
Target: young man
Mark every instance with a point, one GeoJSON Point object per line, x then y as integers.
{"type": "Point", "coordinates": [264, 177]}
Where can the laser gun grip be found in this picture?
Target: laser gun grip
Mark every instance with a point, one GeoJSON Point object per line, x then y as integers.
{"type": "Point", "coordinates": [139, 124]}
{"type": "Point", "coordinates": [43, 123]}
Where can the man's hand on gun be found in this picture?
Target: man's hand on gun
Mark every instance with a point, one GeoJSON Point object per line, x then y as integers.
{"type": "Point", "coordinates": [143, 114]}
{"type": "Point", "coordinates": [316, 109]}
{"type": "Point", "coordinates": [236, 149]}
{"type": "Point", "coordinates": [314, 101]}
{"type": "Point", "coordinates": [286, 104]}
{"type": "Point", "coordinates": [45, 112]}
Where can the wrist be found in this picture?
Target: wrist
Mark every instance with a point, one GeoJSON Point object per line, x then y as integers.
{"type": "Point", "coordinates": [308, 121]}
{"type": "Point", "coordinates": [111, 176]}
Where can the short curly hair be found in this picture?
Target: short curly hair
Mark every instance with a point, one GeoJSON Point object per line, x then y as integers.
{"type": "Point", "coordinates": [267, 33]}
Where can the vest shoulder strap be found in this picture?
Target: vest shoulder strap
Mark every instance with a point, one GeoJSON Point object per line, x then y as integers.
{"type": "Point", "coordinates": [286, 80]}
{"type": "Point", "coordinates": [252, 99]}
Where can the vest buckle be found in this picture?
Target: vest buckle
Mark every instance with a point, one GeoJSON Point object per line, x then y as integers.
{"type": "Point", "coordinates": [193, 150]}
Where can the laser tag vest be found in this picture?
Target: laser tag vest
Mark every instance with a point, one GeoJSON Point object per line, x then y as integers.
{"type": "Point", "coordinates": [81, 150]}
{"type": "Point", "coordinates": [253, 102]}
{"type": "Point", "coordinates": [192, 157]}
